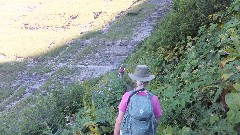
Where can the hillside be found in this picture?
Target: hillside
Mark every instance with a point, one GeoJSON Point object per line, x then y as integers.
{"type": "Point", "coordinates": [26, 80]}
{"type": "Point", "coordinates": [193, 51]}
{"type": "Point", "coordinates": [195, 54]}
{"type": "Point", "coordinates": [81, 58]}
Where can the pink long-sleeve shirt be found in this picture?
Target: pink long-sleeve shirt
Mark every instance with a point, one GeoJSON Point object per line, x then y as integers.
{"type": "Point", "coordinates": [155, 102]}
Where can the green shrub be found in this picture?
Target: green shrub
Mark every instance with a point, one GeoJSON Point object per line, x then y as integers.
{"type": "Point", "coordinates": [47, 115]}
{"type": "Point", "coordinates": [102, 97]}
{"type": "Point", "coordinates": [189, 78]}
{"type": "Point", "coordinates": [192, 93]}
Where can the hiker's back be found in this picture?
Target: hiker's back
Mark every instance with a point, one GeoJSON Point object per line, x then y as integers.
{"type": "Point", "coordinates": [139, 118]}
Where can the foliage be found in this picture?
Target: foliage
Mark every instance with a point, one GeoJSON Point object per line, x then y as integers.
{"type": "Point", "coordinates": [169, 41]}
{"type": "Point", "coordinates": [101, 97]}
{"type": "Point", "coordinates": [194, 54]}
{"type": "Point", "coordinates": [8, 72]}
{"type": "Point", "coordinates": [196, 73]}
{"type": "Point", "coordinates": [186, 18]}
{"type": "Point", "coordinates": [46, 116]}
{"type": "Point", "coordinates": [69, 100]}
{"type": "Point", "coordinates": [31, 120]}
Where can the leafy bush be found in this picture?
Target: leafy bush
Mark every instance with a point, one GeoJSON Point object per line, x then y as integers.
{"type": "Point", "coordinates": [47, 115]}
{"type": "Point", "coordinates": [169, 40]}
{"type": "Point", "coordinates": [101, 98]}
{"type": "Point", "coordinates": [31, 119]}
{"type": "Point", "coordinates": [188, 68]}
{"type": "Point", "coordinates": [185, 19]}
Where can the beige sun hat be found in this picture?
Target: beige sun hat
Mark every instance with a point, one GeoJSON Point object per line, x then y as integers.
{"type": "Point", "coordinates": [141, 74]}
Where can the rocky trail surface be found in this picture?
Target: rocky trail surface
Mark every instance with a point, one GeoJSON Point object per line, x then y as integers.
{"type": "Point", "coordinates": [105, 55]}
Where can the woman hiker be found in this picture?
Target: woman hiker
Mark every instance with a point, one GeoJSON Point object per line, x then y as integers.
{"type": "Point", "coordinates": [121, 71]}
{"type": "Point", "coordinates": [139, 110]}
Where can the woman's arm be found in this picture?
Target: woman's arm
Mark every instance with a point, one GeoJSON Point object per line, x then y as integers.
{"type": "Point", "coordinates": [118, 123]}
{"type": "Point", "coordinates": [157, 107]}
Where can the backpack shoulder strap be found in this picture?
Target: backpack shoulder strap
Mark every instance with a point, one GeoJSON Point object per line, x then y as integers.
{"type": "Point", "coordinates": [150, 94]}
{"type": "Point", "coordinates": [133, 93]}
{"type": "Point", "coordinates": [153, 116]}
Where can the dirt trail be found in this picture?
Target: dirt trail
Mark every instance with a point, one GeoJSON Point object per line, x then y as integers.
{"type": "Point", "coordinates": [107, 57]}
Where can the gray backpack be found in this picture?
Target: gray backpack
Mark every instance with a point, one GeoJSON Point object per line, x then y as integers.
{"type": "Point", "coordinates": [139, 118]}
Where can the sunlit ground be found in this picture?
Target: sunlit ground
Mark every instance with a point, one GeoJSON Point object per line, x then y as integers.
{"type": "Point", "coordinates": [33, 27]}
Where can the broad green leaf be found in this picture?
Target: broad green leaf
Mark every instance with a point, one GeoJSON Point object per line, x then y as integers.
{"type": "Point", "coordinates": [238, 67]}
{"type": "Point", "coordinates": [237, 86]}
{"type": "Point", "coordinates": [237, 117]}
{"type": "Point", "coordinates": [214, 118]}
{"type": "Point", "coordinates": [230, 115]}
{"type": "Point", "coordinates": [233, 116]}
{"type": "Point", "coordinates": [92, 128]}
{"type": "Point", "coordinates": [89, 123]}
{"type": "Point", "coordinates": [226, 76]}
{"type": "Point", "coordinates": [170, 93]}
{"type": "Point", "coordinates": [233, 100]}
{"type": "Point", "coordinates": [105, 129]}
{"type": "Point", "coordinates": [219, 91]}
{"type": "Point", "coordinates": [226, 60]}
{"type": "Point", "coordinates": [186, 130]}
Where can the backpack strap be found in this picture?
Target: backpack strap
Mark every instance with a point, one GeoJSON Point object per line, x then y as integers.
{"type": "Point", "coordinates": [153, 115]}
{"type": "Point", "coordinates": [150, 94]}
{"type": "Point", "coordinates": [135, 92]}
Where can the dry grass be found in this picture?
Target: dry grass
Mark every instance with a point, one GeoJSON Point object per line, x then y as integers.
{"type": "Point", "coordinates": [29, 28]}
